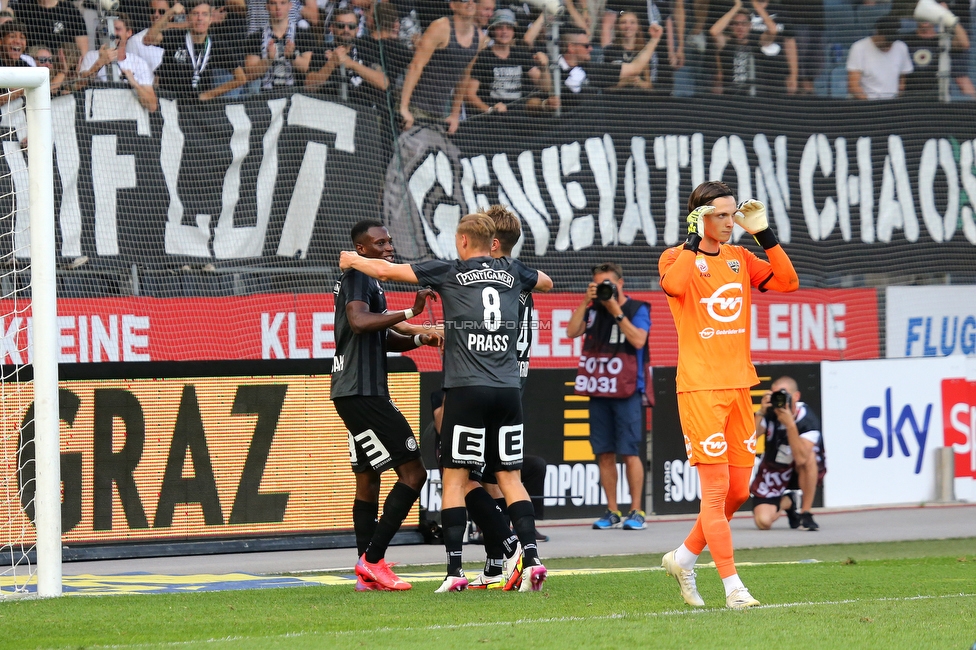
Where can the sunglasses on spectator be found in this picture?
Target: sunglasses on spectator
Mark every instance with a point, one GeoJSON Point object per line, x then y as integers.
{"type": "Point", "coordinates": [346, 25]}
{"type": "Point", "coordinates": [44, 59]}
{"type": "Point", "coordinates": [588, 46]}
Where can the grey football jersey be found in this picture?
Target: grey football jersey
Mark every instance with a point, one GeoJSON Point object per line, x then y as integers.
{"type": "Point", "coordinates": [524, 346]}
{"type": "Point", "coordinates": [480, 297]}
{"type": "Point", "coordinates": [359, 365]}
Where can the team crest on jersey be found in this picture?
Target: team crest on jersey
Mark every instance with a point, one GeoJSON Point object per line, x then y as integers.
{"type": "Point", "coordinates": [701, 264]}
{"type": "Point", "coordinates": [734, 265]}
{"type": "Point", "coordinates": [181, 55]}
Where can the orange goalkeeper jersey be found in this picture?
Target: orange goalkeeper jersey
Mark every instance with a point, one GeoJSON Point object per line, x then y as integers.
{"type": "Point", "coordinates": [712, 310]}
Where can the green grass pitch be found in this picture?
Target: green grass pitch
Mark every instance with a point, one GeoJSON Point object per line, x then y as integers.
{"type": "Point", "coordinates": [891, 596]}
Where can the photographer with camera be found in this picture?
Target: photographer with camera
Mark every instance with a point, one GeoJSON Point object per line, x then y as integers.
{"type": "Point", "coordinates": [794, 457]}
{"type": "Point", "coordinates": [613, 371]}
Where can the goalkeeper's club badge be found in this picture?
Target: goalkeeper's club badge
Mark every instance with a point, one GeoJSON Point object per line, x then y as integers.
{"type": "Point", "coordinates": [734, 265]}
{"type": "Point", "coordinates": [701, 263]}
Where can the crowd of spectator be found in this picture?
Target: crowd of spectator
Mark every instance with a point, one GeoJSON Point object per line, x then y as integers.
{"type": "Point", "coordinates": [446, 61]}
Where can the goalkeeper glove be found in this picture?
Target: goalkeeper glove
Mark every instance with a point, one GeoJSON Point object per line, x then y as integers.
{"type": "Point", "coordinates": [751, 215]}
{"type": "Point", "coordinates": [696, 226]}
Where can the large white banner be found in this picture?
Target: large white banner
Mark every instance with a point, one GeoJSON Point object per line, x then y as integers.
{"type": "Point", "coordinates": [930, 321]}
{"type": "Point", "coordinates": [882, 419]}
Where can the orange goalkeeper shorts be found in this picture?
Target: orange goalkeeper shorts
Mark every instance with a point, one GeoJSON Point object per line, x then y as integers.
{"type": "Point", "coordinates": [719, 426]}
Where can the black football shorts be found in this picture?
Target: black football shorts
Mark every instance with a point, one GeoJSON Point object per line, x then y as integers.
{"type": "Point", "coordinates": [379, 435]}
{"type": "Point", "coordinates": [482, 429]}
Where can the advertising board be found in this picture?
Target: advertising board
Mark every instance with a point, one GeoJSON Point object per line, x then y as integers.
{"type": "Point", "coordinates": [883, 420]}
{"type": "Point", "coordinates": [196, 452]}
{"type": "Point", "coordinates": [930, 321]}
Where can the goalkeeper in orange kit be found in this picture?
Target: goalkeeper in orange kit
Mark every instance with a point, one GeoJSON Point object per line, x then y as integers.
{"type": "Point", "coordinates": [709, 287]}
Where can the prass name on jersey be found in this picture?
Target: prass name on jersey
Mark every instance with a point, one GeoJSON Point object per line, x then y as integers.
{"type": "Point", "coordinates": [488, 342]}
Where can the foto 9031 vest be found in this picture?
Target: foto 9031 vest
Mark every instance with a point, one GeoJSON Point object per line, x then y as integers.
{"type": "Point", "coordinates": [608, 364]}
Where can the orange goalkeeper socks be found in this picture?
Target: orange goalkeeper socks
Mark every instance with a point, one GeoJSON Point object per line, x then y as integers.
{"type": "Point", "coordinates": [724, 489]}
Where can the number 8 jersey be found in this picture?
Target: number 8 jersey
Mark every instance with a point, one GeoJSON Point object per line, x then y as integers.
{"type": "Point", "coordinates": [480, 299]}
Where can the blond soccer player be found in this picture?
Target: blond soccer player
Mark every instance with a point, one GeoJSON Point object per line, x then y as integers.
{"type": "Point", "coordinates": [709, 286]}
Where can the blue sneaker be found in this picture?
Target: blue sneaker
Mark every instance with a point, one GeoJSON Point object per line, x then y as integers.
{"type": "Point", "coordinates": [635, 520]}
{"type": "Point", "coordinates": [610, 519]}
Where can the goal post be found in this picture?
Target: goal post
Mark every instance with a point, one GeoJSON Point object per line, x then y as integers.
{"type": "Point", "coordinates": [43, 305]}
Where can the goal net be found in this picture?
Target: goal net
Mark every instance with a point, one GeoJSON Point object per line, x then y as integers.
{"type": "Point", "coordinates": [203, 236]}
{"type": "Point", "coordinates": [30, 544]}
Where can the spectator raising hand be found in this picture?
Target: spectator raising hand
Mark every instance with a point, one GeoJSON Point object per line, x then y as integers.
{"type": "Point", "coordinates": [132, 69]}
{"type": "Point", "coordinates": [196, 63]}
{"type": "Point", "coordinates": [438, 76]}
{"type": "Point", "coordinates": [627, 44]}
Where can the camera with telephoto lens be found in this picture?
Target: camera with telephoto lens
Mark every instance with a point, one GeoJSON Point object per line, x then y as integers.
{"type": "Point", "coordinates": [606, 290]}
{"type": "Point", "coordinates": [777, 400]}
{"type": "Point", "coordinates": [780, 399]}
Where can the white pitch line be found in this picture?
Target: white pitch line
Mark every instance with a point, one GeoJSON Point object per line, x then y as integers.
{"type": "Point", "coordinates": [521, 621]}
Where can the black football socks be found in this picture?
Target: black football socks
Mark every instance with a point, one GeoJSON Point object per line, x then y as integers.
{"type": "Point", "coordinates": [454, 521]}
{"type": "Point", "coordinates": [523, 519]}
{"type": "Point", "coordinates": [364, 523]}
{"type": "Point", "coordinates": [395, 509]}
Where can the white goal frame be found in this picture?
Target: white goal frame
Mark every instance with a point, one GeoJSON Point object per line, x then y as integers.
{"type": "Point", "coordinates": [44, 311]}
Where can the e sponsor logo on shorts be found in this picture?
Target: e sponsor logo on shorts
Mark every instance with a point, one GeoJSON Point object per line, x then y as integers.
{"type": "Point", "coordinates": [376, 453]}
{"type": "Point", "coordinates": [714, 445]}
{"type": "Point", "coordinates": [510, 444]}
{"type": "Point", "coordinates": [468, 444]}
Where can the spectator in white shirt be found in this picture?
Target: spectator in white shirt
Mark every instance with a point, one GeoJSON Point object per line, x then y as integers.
{"type": "Point", "coordinates": [135, 70]}
{"type": "Point", "coordinates": [877, 65]}
{"type": "Point", "coordinates": [152, 54]}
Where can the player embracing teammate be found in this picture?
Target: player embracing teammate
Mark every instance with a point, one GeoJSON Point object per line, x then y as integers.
{"type": "Point", "coordinates": [482, 425]}
{"type": "Point", "coordinates": [379, 436]}
{"type": "Point", "coordinates": [709, 287]}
